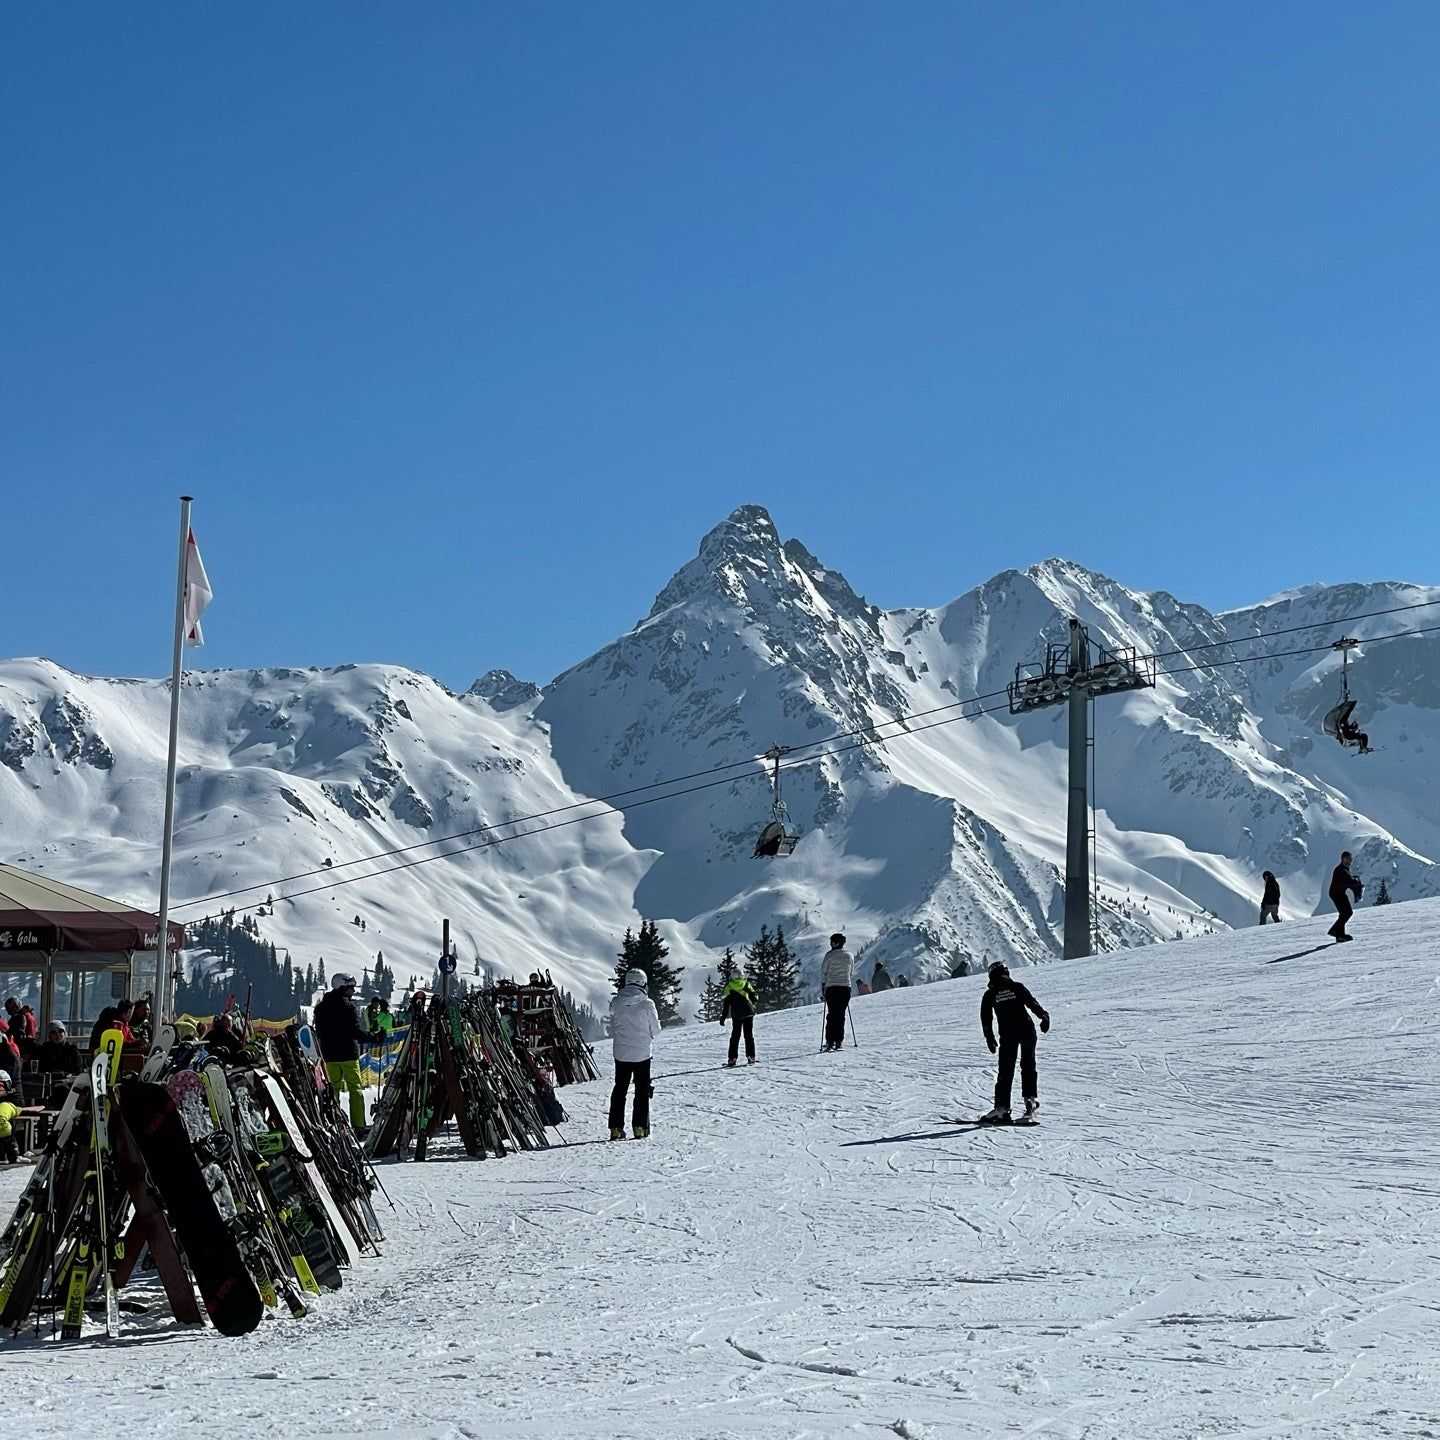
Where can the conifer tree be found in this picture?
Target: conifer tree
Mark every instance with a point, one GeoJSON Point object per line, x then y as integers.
{"type": "Point", "coordinates": [1382, 895]}
{"type": "Point", "coordinates": [647, 951]}
{"type": "Point", "coordinates": [772, 971]}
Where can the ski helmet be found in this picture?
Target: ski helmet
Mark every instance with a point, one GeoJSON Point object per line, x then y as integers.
{"type": "Point", "coordinates": [342, 981]}
{"type": "Point", "coordinates": [998, 970]}
{"type": "Point", "coordinates": [637, 977]}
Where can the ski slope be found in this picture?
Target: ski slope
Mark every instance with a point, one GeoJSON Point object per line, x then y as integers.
{"type": "Point", "coordinates": [1227, 1226]}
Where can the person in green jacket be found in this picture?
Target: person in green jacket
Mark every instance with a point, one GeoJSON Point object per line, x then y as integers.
{"type": "Point", "coordinates": [738, 1007]}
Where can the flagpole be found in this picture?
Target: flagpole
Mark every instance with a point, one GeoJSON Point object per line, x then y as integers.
{"type": "Point", "coordinates": [164, 991]}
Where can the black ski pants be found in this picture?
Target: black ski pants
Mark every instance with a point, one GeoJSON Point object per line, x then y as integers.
{"type": "Point", "coordinates": [627, 1071]}
{"type": "Point", "coordinates": [1346, 909]}
{"type": "Point", "coordinates": [1029, 1081]}
{"type": "Point", "coordinates": [837, 1002]}
{"type": "Point", "coordinates": [742, 1025]}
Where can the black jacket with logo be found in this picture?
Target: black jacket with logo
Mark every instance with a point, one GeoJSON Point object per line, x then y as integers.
{"type": "Point", "coordinates": [1009, 1001]}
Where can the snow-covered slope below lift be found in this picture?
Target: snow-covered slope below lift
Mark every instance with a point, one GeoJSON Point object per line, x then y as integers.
{"type": "Point", "coordinates": [1225, 1226]}
{"type": "Point", "coordinates": [286, 770]}
{"type": "Point", "coordinates": [943, 844]}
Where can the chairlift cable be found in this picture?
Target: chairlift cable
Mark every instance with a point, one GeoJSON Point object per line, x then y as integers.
{"type": "Point", "coordinates": [727, 779]}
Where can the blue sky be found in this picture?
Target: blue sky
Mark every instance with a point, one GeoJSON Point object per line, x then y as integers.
{"type": "Point", "coordinates": [463, 322]}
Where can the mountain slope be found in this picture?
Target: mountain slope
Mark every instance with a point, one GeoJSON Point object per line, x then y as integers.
{"type": "Point", "coordinates": [293, 773]}
{"type": "Point", "coordinates": [939, 847]}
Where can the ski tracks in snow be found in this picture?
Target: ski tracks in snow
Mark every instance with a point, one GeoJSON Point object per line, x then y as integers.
{"type": "Point", "coordinates": [1225, 1226]}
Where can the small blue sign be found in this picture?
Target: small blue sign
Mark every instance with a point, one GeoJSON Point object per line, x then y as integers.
{"type": "Point", "coordinates": [447, 964]}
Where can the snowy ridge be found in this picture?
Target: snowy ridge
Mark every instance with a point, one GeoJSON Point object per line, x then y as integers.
{"type": "Point", "coordinates": [1225, 1225]}
{"type": "Point", "coordinates": [936, 849]}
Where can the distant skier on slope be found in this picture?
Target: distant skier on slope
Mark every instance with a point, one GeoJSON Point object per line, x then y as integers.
{"type": "Point", "coordinates": [1270, 900]}
{"type": "Point", "coordinates": [1009, 1001]}
{"type": "Point", "coordinates": [738, 1007]}
{"type": "Point", "coordinates": [1342, 885]}
{"type": "Point", "coordinates": [634, 1024]}
{"type": "Point", "coordinates": [880, 978]}
{"type": "Point", "coordinates": [837, 977]}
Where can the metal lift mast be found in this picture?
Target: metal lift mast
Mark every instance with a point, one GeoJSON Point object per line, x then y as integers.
{"type": "Point", "coordinates": [1073, 674]}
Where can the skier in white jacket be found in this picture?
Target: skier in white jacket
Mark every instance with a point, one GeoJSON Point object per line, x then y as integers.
{"type": "Point", "coordinates": [634, 1024]}
{"type": "Point", "coordinates": [837, 979]}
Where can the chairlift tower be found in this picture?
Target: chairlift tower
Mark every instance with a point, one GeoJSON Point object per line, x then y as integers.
{"type": "Point", "coordinates": [1073, 673]}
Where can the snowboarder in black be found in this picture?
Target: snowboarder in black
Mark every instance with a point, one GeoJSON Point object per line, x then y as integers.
{"type": "Point", "coordinates": [1270, 900]}
{"type": "Point", "coordinates": [1009, 1001]}
{"type": "Point", "coordinates": [1342, 885]}
{"type": "Point", "coordinates": [738, 1007]}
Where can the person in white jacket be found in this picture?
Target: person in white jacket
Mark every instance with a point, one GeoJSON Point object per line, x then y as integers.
{"type": "Point", "coordinates": [837, 979]}
{"type": "Point", "coordinates": [634, 1024]}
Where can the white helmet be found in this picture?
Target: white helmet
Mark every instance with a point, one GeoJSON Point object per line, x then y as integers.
{"type": "Point", "coordinates": [637, 977]}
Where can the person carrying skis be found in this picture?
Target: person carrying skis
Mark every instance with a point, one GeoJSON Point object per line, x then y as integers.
{"type": "Point", "coordinates": [738, 1007]}
{"type": "Point", "coordinates": [634, 1024]}
{"type": "Point", "coordinates": [1342, 885]}
{"type": "Point", "coordinates": [1009, 1002]}
{"type": "Point", "coordinates": [837, 977]}
{"type": "Point", "coordinates": [340, 1035]}
{"type": "Point", "coordinates": [1270, 900]}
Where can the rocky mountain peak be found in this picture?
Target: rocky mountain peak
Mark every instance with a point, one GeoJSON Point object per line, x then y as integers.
{"type": "Point", "coordinates": [745, 546]}
{"type": "Point", "coordinates": [502, 691]}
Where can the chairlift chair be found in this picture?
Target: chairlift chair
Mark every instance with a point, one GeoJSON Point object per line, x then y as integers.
{"type": "Point", "coordinates": [1339, 723]}
{"type": "Point", "coordinates": [776, 838]}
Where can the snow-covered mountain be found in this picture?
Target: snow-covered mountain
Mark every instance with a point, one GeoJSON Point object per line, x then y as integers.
{"type": "Point", "coordinates": [940, 845]}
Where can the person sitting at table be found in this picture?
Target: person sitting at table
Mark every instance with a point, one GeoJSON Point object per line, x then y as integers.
{"type": "Point", "coordinates": [57, 1055]}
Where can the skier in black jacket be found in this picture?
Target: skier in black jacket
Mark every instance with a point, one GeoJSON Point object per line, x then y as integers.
{"type": "Point", "coordinates": [1270, 900]}
{"type": "Point", "coordinates": [340, 1035]}
{"type": "Point", "coordinates": [1009, 1001]}
{"type": "Point", "coordinates": [1342, 885]}
{"type": "Point", "coordinates": [738, 1007]}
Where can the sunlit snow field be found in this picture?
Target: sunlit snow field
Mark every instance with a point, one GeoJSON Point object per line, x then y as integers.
{"type": "Point", "coordinates": [1226, 1226]}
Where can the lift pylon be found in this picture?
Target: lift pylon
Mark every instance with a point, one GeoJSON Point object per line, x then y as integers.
{"type": "Point", "coordinates": [1073, 673]}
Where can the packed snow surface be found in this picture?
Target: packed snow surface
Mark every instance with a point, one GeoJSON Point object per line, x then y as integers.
{"type": "Point", "coordinates": [1226, 1226]}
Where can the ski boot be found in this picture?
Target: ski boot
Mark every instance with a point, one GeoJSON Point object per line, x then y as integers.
{"type": "Point", "coordinates": [617, 1134]}
{"type": "Point", "coordinates": [730, 1064]}
{"type": "Point", "coordinates": [751, 1060]}
{"type": "Point", "coordinates": [1000, 1115]}
{"type": "Point", "coordinates": [642, 1132]}
{"type": "Point", "coordinates": [1032, 1112]}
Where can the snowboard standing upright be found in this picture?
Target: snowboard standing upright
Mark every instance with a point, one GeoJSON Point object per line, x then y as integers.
{"type": "Point", "coordinates": [232, 1298]}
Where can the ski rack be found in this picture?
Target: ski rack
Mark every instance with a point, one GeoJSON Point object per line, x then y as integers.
{"type": "Point", "coordinates": [459, 1062]}
{"type": "Point", "coordinates": [49, 1253]}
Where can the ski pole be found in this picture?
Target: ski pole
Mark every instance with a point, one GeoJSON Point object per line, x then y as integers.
{"type": "Point", "coordinates": [854, 1039]}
